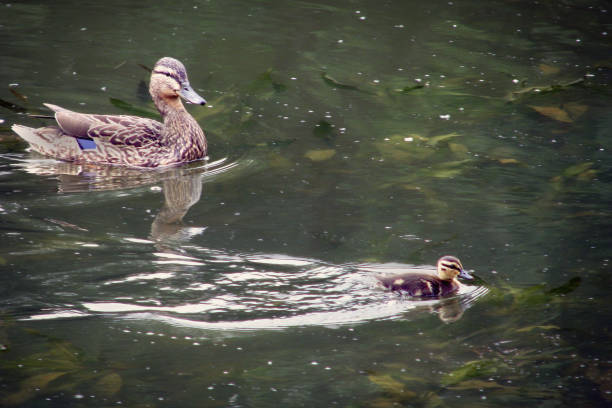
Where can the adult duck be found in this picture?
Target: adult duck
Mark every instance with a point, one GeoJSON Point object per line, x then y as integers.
{"type": "Point", "coordinates": [426, 285]}
{"type": "Point", "coordinates": [128, 140]}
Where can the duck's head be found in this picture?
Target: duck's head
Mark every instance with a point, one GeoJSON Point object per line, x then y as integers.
{"type": "Point", "coordinates": [449, 267]}
{"type": "Point", "coordinates": [169, 81]}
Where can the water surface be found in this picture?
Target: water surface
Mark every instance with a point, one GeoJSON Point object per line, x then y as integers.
{"type": "Point", "coordinates": [347, 140]}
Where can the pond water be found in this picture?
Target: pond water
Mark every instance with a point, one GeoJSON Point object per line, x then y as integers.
{"type": "Point", "coordinates": [348, 139]}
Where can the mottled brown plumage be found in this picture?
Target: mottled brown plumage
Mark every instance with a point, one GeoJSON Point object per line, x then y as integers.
{"type": "Point", "coordinates": [128, 140]}
{"type": "Point", "coordinates": [425, 285]}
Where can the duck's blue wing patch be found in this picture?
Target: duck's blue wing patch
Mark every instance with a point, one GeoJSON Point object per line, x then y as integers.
{"type": "Point", "coordinates": [86, 144]}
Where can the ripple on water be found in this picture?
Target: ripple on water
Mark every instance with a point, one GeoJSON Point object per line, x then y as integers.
{"type": "Point", "coordinates": [262, 291]}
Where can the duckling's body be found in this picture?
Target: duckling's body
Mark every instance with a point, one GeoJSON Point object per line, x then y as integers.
{"type": "Point", "coordinates": [426, 285]}
{"type": "Point", "coordinates": [128, 140]}
{"type": "Point", "coordinates": [420, 285]}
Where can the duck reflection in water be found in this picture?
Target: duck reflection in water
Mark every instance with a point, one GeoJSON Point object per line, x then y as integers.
{"type": "Point", "coordinates": [181, 186]}
{"type": "Point", "coordinates": [180, 193]}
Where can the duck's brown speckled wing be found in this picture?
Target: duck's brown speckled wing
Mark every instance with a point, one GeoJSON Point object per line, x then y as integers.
{"type": "Point", "coordinates": [117, 130]}
{"type": "Point", "coordinates": [419, 285]}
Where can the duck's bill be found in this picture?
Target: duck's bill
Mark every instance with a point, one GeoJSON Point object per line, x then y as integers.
{"type": "Point", "coordinates": [191, 96]}
{"type": "Point", "coordinates": [463, 274]}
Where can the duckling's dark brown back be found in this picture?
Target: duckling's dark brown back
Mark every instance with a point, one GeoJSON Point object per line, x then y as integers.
{"type": "Point", "coordinates": [419, 285]}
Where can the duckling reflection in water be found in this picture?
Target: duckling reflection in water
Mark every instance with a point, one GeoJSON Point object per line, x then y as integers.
{"type": "Point", "coordinates": [424, 285]}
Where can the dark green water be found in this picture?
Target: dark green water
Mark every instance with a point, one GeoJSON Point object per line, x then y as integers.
{"type": "Point", "coordinates": [347, 139]}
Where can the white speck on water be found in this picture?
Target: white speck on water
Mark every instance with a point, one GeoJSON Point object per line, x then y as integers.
{"type": "Point", "coordinates": [445, 117]}
{"type": "Point", "coordinates": [407, 139]}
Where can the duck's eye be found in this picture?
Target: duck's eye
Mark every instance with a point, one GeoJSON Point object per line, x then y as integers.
{"type": "Point", "coordinates": [452, 266]}
{"type": "Point", "coordinates": [163, 73]}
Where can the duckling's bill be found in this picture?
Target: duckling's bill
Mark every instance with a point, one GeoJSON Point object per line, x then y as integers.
{"type": "Point", "coordinates": [463, 274]}
{"type": "Point", "coordinates": [190, 95]}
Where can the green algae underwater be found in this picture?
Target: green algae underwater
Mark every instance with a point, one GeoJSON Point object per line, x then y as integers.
{"type": "Point", "coordinates": [347, 140]}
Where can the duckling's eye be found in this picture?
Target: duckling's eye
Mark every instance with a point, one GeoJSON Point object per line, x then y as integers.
{"type": "Point", "coordinates": [452, 266]}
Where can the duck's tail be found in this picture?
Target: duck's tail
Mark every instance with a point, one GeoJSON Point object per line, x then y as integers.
{"type": "Point", "coordinates": [49, 141]}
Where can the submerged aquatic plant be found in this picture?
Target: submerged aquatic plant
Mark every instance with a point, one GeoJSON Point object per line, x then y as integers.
{"type": "Point", "coordinates": [61, 367]}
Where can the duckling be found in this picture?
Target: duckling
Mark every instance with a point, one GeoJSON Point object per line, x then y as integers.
{"type": "Point", "coordinates": [425, 285]}
{"type": "Point", "coordinates": [128, 140]}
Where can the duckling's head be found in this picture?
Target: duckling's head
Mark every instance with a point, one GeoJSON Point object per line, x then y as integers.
{"type": "Point", "coordinates": [169, 81]}
{"type": "Point", "coordinates": [449, 267]}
